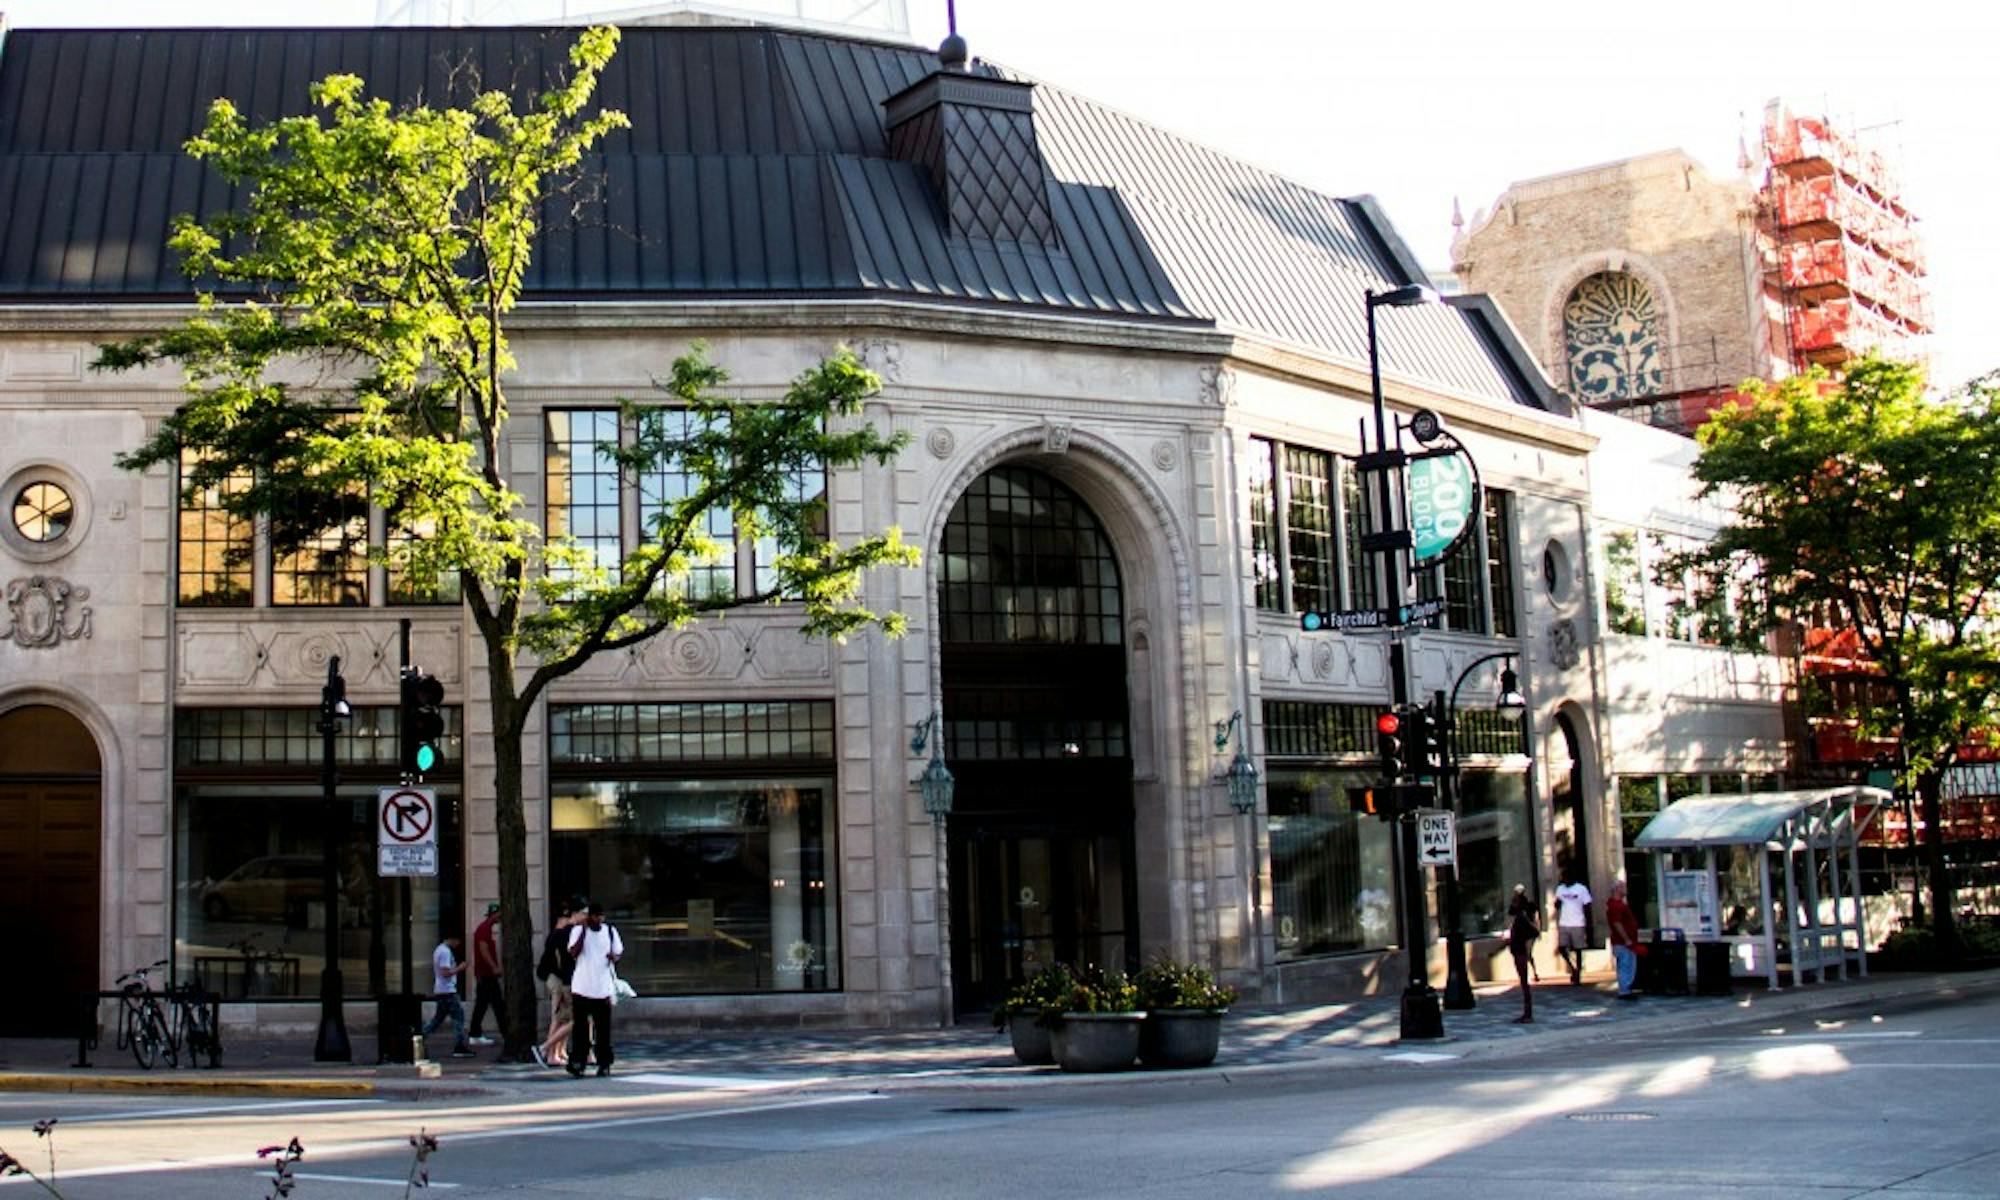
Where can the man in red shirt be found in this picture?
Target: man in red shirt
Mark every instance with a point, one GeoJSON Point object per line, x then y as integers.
{"type": "Point", "coordinates": [486, 974]}
{"type": "Point", "coordinates": [1624, 941]}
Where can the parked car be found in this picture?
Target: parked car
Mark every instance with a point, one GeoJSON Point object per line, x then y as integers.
{"type": "Point", "coordinates": [274, 888]}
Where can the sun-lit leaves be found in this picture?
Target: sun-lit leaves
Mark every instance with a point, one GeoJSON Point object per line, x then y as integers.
{"type": "Point", "coordinates": [1872, 510]}
{"type": "Point", "coordinates": [351, 339]}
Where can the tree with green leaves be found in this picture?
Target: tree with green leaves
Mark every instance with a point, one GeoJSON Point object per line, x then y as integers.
{"type": "Point", "coordinates": [350, 345]}
{"type": "Point", "coordinates": [1869, 513]}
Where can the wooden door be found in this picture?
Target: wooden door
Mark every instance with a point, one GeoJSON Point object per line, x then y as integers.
{"type": "Point", "coordinates": [50, 869]}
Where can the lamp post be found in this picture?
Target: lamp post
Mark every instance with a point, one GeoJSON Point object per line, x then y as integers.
{"type": "Point", "coordinates": [1421, 1016]}
{"type": "Point", "coordinates": [1458, 983]}
{"type": "Point", "coordinates": [331, 1045]}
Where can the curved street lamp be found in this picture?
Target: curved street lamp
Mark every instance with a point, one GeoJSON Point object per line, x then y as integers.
{"type": "Point", "coordinates": [1458, 983]}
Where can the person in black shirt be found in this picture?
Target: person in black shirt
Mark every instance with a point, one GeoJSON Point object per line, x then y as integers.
{"type": "Point", "coordinates": [1523, 927]}
{"type": "Point", "coordinates": [554, 970]}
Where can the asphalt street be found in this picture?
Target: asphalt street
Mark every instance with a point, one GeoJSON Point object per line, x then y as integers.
{"type": "Point", "coordinates": [1896, 1099]}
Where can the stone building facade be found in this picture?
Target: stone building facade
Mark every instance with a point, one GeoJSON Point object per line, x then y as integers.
{"type": "Point", "coordinates": [1130, 474]}
{"type": "Point", "coordinates": [1634, 279]}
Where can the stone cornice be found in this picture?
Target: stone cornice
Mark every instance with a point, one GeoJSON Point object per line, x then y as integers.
{"type": "Point", "coordinates": [894, 318]}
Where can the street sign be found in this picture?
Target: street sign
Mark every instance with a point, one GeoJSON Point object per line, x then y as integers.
{"type": "Point", "coordinates": [1418, 613]}
{"type": "Point", "coordinates": [1437, 839]}
{"type": "Point", "coordinates": [406, 832]}
{"type": "Point", "coordinates": [1444, 502]}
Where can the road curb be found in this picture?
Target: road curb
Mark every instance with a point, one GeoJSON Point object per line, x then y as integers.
{"type": "Point", "coordinates": [342, 1089]}
{"type": "Point", "coordinates": [1743, 1007]}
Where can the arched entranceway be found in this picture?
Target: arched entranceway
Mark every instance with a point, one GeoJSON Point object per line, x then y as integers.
{"type": "Point", "coordinates": [1568, 809]}
{"type": "Point", "coordinates": [50, 847]}
{"type": "Point", "coordinates": [1032, 665]}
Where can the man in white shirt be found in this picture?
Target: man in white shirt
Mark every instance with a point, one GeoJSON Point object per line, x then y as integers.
{"type": "Point", "coordinates": [596, 947]}
{"type": "Point", "coordinates": [1572, 925]}
{"type": "Point", "coordinates": [445, 970]}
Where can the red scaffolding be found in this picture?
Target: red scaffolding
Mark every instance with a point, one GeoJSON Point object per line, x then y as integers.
{"type": "Point", "coordinates": [1842, 260]}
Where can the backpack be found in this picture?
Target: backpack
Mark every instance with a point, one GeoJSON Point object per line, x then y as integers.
{"type": "Point", "coordinates": [547, 965]}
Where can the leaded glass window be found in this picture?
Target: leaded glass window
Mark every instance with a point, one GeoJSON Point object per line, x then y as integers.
{"type": "Point", "coordinates": [1260, 472]}
{"type": "Point", "coordinates": [1613, 333]}
{"type": "Point", "coordinates": [1309, 528]}
{"type": "Point", "coordinates": [669, 483]}
{"type": "Point", "coordinates": [582, 481]}
{"type": "Point", "coordinates": [216, 546]}
{"type": "Point", "coordinates": [1026, 561]}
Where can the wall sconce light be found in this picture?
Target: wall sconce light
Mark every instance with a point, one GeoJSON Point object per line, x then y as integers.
{"type": "Point", "coordinates": [936, 783]}
{"type": "Point", "coordinates": [1241, 777]}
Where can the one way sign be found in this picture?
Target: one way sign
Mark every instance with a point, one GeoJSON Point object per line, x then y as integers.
{"type": "Point", "coordinates": [406, 832]}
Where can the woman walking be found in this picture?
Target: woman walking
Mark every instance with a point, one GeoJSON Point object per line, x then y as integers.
{"type": "Point", "coordinates": [1523, 927]}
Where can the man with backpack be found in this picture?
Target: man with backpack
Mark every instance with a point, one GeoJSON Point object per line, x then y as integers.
{"type": "Point", "coordinates": [596, 947]}
{"type": "Point", "coordinates": [554, 970]}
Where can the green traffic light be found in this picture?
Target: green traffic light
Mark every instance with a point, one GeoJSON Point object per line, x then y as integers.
{"type": "Point", "coordinates": [427, 756]}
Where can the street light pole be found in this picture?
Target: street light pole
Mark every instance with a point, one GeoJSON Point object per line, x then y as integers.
{"type": "Point", "coordinates": [331, 1045]}
{"type": "Point", "coordinates": [1458, 994]}
{"type": "Point", "coordinates": [1421, 1015]}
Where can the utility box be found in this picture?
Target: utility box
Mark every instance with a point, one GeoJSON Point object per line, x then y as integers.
{"type": "Point", "coordinates": [397, 1020]}
{"type": "Point", "coordinates": [1711, 968]}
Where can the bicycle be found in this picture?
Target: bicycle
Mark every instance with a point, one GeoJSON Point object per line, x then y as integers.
{"type": "Point", "coordinates": [142, 1023]}
{"type": "Point", "coordinates": [195, 1028]}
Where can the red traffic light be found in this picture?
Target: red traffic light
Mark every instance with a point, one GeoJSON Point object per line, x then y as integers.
{"type": "Point", "coordinates": [1387, 723]}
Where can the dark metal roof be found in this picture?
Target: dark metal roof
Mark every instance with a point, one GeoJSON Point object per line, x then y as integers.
{"type": "Point", "coordinates": [758, 165]}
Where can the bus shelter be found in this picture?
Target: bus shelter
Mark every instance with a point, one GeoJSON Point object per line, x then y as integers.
{"type": "Point", "coordinates": [1774, 875]}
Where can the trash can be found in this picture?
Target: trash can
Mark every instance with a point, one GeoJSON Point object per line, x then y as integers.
{"type": "Point", "coordinates": [1666, 967]}
{"type": "Point", "coordinates": [1711, 968]}
{"type": "Point", "coordinates": [397, 1020]}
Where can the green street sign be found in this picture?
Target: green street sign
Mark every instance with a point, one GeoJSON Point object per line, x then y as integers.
{"type": "Point", "coordinates": [1444, 502]}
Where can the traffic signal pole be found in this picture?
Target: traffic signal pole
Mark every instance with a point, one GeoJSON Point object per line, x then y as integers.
{"type": "Point", "coordinates": [1422, 1016]}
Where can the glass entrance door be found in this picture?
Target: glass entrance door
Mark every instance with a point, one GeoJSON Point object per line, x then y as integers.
{"type": "Point", "coordinates": [1028, 898]}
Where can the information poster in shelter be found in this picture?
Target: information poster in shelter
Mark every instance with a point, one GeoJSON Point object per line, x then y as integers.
{"type": "Point", "coordinates": [1687, 903]}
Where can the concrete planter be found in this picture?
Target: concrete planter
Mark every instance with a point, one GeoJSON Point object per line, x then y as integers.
{"type": "Point", "coordinates": [1031, 1039]}
{"type": "Point", "coordinates": [1097, 1041]}
{"type": "Point", "coordinates": [1180, 1037]}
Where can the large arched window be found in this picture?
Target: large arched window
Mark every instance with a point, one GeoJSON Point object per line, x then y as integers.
{"type": "Point", "coordinates": [1026, 562]}
{"type": "Point", "coordinates": [1614, 334]}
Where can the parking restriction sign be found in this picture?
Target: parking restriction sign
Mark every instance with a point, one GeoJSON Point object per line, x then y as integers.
{"type": "Point", "coordinates": [406, 832]}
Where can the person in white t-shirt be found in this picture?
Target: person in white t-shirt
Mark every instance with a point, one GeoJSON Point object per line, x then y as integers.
{"type": "Point", "coordinates": [1572, 925]}
{"type": "Point", "coordinates": [596, 947]}
{"type": "Point", "coordinates": [445, 970]}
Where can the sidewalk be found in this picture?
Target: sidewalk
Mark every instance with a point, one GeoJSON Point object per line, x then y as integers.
{"type": "Point", "coordinates": [1267, 1039]}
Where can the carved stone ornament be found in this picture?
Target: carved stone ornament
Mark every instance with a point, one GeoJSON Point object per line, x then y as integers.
{"type": "Point", "coordinates": [1166, 456]}
{"type": "Point", "coordinates": [1218, 386]}
{"type": "Point", "coordinates": [43, 611]}
{"type": "Point", "coordinates": [1565, 651]}
{"type": "Point", "coordinates": [884, 356]}
{"type": "Point", "coordinates": [941, 442]}
{"type": "Point", "coordinates": [1055, 438]}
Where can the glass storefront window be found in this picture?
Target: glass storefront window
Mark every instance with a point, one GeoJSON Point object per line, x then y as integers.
{"type": "Point", "coordinates": [1331, 870]}
{"type": "Point", "coordinates": [250, 913]}
{"type": "Point", "coordinates": [1496, 847]}
{"type": "Point", "coordinates": [716, 885]}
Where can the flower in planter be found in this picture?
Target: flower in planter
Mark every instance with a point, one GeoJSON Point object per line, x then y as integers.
{"type": "Point", "coordinates": [1041, 993]}
{"type": "Point", "coordinates": [1166, 984]}
{"type": "Point", "coordinates": [1097, 991]}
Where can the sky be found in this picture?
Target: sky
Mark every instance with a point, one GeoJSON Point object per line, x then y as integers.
{"type": "Point", "coordinates": [1427, 102]}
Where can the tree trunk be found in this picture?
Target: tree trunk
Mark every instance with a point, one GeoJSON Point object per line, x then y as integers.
{"type": "Point", "coordinates": [1930, 789]}
{"type": "Point", "coordinates": [517, 918]}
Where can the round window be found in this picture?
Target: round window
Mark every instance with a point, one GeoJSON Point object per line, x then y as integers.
{"type": "Point", "coordinates": [1555, 571]}
{"type": "Point", "coordinates": [43, 512]}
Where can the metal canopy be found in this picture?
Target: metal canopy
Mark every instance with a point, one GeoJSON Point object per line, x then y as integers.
{"type": "Point", "coordinates": [1760, 819]}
